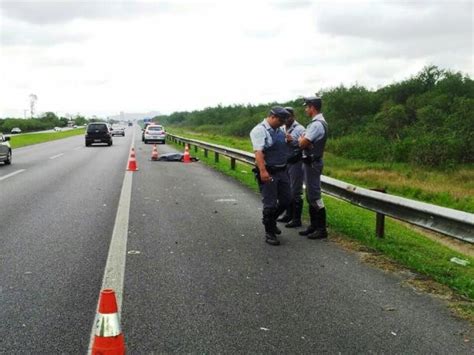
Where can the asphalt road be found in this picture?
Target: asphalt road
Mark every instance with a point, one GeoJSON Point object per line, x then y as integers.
{"type": "Point", "coordinates": [56, 219]}
{"type": "Point", "coordinates": [198, 277]}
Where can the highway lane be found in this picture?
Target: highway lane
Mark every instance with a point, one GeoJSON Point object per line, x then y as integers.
{"type": "Point", "coordinates": [200, 279]}
{"type": "Point", "coordinates": [56, 220]}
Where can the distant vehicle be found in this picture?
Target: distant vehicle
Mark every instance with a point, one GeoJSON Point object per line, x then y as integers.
{"type": "Point", "coordinates": [5, 149]}
{"type": "Point", "coordinates": [118, 131]}
{"type": "Point", "coordinates": [98, 132]}
{"type": "Point", "coordinates": [15, 130]}
{"type": "Point", "coordinates": [75, 126]}
{"type": "Point", "coordinates": [154, 133]}
{"type": "Point", "coordinates": [145, 125]}
{"type": "Point", "coordinates": [57, 129]}
{"type": "Point", "coordinates": [130, 124]}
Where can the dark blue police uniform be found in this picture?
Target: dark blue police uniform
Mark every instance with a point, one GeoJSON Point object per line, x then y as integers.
{"type": "Point", "coordinates": [316, 133]}
{"type": "Point", "coordinates": [275, 193]}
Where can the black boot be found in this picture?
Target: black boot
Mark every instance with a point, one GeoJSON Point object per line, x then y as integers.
{"type": "Point", "coordinates": [321, 230]}
{"type": "Point", "coordinates": [271, 239]}
{"type": "Point", "coordinates": [296, 220]}
{"type": "Point", "coordinates": [313, 215]}
{"type": "Point", "coordinates": [270, 226]}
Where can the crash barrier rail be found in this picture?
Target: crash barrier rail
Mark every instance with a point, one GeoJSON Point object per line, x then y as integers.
{"type": "Point", "coordinates": [453, 223]}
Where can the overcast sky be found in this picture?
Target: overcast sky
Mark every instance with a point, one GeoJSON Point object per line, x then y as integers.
{"type": "Point", "coordinates": [106, 56]}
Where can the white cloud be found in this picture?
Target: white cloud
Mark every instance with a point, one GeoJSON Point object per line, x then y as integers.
{"type": "Point", "coordinates": [62, 11]}
{"type": "Point", "coordinates": [105, 57]}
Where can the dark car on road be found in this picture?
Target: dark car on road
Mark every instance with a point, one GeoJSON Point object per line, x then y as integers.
{"type": "Point", "coordinates": [98, 132]}
{"type": "Point", "coordinates": [5, 149]}
{"type": "Point", "coordinates": [145, 125]}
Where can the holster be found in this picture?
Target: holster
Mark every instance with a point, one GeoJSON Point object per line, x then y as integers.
{"type": "Point", "coordinates": [295, 157]}
{"type": "Point", "coordinates": [256, 173]}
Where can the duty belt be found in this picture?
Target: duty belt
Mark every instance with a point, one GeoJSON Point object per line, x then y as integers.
{"type": "Point", "coordinates": [276, 168]}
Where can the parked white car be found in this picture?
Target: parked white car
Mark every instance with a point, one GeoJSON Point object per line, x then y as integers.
{"type": "Point", "coordinates": [154, 133]}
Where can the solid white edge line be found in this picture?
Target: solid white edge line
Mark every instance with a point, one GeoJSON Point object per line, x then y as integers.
{"type": "Point", "coordinates": [12, 174]}
{"type": "Point", "coordinates": [115, 267]}
{"type": "Point", "coordinates": [56, 156]}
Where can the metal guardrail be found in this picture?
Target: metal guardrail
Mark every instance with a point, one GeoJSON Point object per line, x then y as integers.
{"type": "Point", "coordinates": [454, 223]}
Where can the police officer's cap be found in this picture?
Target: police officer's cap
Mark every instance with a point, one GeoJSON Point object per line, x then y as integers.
{"type": "Point", "coordinates": [313, 101]}
{"type": "Point", "coordinates": [290, 110]}
{"type": "Point", "coordinates": [280, 112]}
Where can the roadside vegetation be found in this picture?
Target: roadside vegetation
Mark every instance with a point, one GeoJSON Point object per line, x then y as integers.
{"type": "Point", "coordinates": [404, 245]}
{"type": "Point", "coordinates": [48, 120]}
{"type": "Point", "coordinates": [426, 120]}
{"type": "Point", "coordinates": [22, 140]}
{"type": "Point", "coordinates": [452, 189]}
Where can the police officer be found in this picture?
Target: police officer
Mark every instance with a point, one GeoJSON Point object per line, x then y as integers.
{"type": "Point", "coordinates": [294, 130]}
{"type": "Point", "coordinates": [312, 142]}
{"type": "Point", "coordinates": [268, 141]}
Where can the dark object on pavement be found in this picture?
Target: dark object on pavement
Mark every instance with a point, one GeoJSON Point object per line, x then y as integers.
{"type": "Point", "coordinates": [271, 239]}
{"type": "Point", "coordinates": [174, 157]}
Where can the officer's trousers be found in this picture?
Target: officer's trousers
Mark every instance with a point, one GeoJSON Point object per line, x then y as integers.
{"type": "Point", "coordinates": [296, 176]}
{"type": "Point", "coordinates": [312, 179]}
{"type": "Point", "coordinates": [276, 196]}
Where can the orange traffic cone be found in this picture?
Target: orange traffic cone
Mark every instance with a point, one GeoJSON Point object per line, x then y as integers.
{"type": "Point", "coordinates": [154, 154]}
{"type": "Point", "coordinates": [186, 157]}
{"type": "Point", "coordinates": [132, 162]}
{"type": "Point", "coordinates": [108, 337]}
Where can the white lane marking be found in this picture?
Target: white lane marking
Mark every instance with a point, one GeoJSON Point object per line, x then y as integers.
{"type": "Point", "coordinates": [56, 156]}
{"type": "Point", "coordinates": [11, 174]}
{"type": "Point", "coordinates": [115, 267]}
{"type": "Point", "coordinates": [77, 148]}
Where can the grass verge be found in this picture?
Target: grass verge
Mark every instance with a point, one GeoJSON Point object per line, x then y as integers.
{"type": "Point", "coordinates": [452, 189]}
{"type": "Point", "coordinates": [29, 139]}
{"type": "Point", "coordinates": [408, 248]}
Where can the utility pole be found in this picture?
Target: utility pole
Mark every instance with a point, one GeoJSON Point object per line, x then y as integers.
{"type": "Point", "coordinates": [33, 99]}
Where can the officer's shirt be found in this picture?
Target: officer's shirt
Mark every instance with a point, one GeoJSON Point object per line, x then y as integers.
{"type": "Point", "coordinates": [260, 135]}
{"type": "Point", "coordinates": [295, 130]}
{"type": "Point", "coordinates": [315, 130]}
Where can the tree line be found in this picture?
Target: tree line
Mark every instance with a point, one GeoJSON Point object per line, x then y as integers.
{"type": "Point", "coordinates": [46, 121]}
{"type": "Point", "coordinates": [427, 119]}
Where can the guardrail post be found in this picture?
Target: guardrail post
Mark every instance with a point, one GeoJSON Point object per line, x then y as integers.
{"type": "Point", "coordinates": [380, 225]}
{"type": "Point", "coordinates": [205, 152]}
{"type": "Point", "coordinates": [379, 220]}
{"type": "Point", "coordinates": [195, 148]}
{"type": "Point", "coordinates": [216, 157]}
{"type": "Point", "coordinates": [232, 163]}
